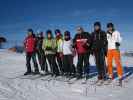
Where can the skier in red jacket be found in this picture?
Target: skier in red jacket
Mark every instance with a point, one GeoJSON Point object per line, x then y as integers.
{"type": "Point", "coordinates": [82, 43]}
{"type": "Point", "coordinates": [30, 49]}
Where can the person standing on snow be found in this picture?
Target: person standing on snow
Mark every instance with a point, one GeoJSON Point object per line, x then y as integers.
{"type": "Point", "coordinates": [82, 43]}
{"type": "Point", "coordinates": [40, 53]}
{"type": "Point", "coordinates": [114, 40]}
{"type": "Point", "coordinates": [69, 69]}
{"type": "Point", "coordinates": [49, 46]}
{"type": "Point", "coordinates": [30, 49]}
{"type": "Point", "coordinates": [59, 53]}
{"type": "Point", "coordinates": [99, 48]}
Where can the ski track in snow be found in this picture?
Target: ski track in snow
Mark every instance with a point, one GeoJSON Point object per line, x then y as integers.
{"type": "Point", "coordinates": [12, 66]}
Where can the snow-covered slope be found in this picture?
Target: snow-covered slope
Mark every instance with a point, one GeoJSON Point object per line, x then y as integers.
{"type": "Point", "coordinates": [12, 87]}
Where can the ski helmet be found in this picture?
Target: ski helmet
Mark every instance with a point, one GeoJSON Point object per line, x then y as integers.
{"type": "Point", "coordinates": [30, 30]}
{"type": "Point", "coordinates": [80, 30]}
{"type": "Point", "coordinates": [57, 32]}
{"type": "Point", "coordinates": [110, 25]}
{"type": "Point", "coordinates": [97, 24]}
{"type": "Point", "coordinates": [67, 33]}
{"type": "Point", "coordinates": [49, 32]}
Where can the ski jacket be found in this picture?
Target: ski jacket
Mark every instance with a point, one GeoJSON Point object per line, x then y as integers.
{"type": "Point", "coordinates": [30, 44]}
{"type": "Point", "coordinates": [59, 45]}
{"type": "Point", "coordinates": [82, 42]}
{"type": "Point", "coordinates": [39, 43]}
{"type": "Point", "coordinates": [67, 47]}
{"type": "Point", "coordinates": [99, 40]}
{"type": "Point", "coordinates": [113, 39]}
{"type": "Point", "coordinates": [49, 46]}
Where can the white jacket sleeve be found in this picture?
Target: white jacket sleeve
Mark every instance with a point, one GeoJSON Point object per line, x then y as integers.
{"type": "Point", "coordinates": [118, 37]}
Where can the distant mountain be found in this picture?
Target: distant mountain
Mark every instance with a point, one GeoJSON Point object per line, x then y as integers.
{"type": "Point", "coordinates": [18, 49]}
{"type": "Point", "coordinates": [128, 53]}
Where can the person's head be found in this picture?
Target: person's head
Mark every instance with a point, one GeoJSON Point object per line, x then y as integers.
{"type": "Point", "coordinates": [67, 35]}
{"type": "Point", "coordinates": [49, 34]}
{"type": "Point", "coordinates": [80, 30]}
{"type": "Point", "coordinates": [58, 34]}
{"type": "Point", "coordinates": [110, 27]}
{"type": "Point", "coordinates": [40, 34]}
{"type": "Point", "coordinates": [30, 32]}
{"type": "Point", "coordinates": [97, 26]}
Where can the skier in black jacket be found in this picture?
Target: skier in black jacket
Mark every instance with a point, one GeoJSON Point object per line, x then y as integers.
{"type": "Point", "coordinates": [40, 53]}
{"type": "Point", "coordinates": [99, 48]}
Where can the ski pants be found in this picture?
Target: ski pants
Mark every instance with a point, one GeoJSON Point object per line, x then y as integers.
{"type": "Point", "coordinates": [68, 64]}
{"type": "Point", "coordinates": [83, 63]}
{"type": "Point", "coordinates": [114, 54]}
{"type": "Point", "coordinates": [32, 56]}
{"type": "Point", "coordinates": [52, 63]}
{"type": "Point", "coordinates": [42, 60]}
{"type": "Point", "coordinates": [59, 61]}
{"type": "Point", "coordinates": [100, 64]}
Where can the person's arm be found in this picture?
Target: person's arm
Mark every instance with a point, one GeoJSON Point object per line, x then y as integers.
{"type": "Point", "coordinates": [24, 43]}
{"type": "Point", "coordinates": [35, 46]}
{"type": "Point", "coordinates": [118, 38]}
{"type": "Point", "coordinates": [54, 44]}
{"type": "Point", "coordinates": [73, 49]}
{"type": "Point", "coordinates": [88, 39]}
{"type": "Point", "coordinates": [93, 40]}
{"type": "Point", "coordinates": [61, 46]}
{"type": "Point", "coordinates": [43, 44]}
{"type": "Point", "coordinates": [105, 39]}
{"type": "Point", "coordinates": [105, 46]}
{"type": "Point", "coordinates": [74, 41]}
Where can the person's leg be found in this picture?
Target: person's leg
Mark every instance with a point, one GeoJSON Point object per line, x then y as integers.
{"type": "Point", "coordinates": [80, 66]}
{"type": "Point", "coordinates": [102, 65]}
{"type": "Point", "coordinates": [42, 60]}
{"type": "Point", "coordinates": [54, 65]}
{"type": "Point", "coordinates": [109, 63]}
{"type": "Point", "coordinates": [39, 57]}
{"type": "Point", "coordinates": [65, 63]}
{"type": "Point", "coordinates": [28, 59]}
{"type": "Point", "coordinates": [98, 64]}
{"type": "Point", "coordinates": [44, 64]}
{"type": "Point", "coordinates": [35, 62]}
{"type": "Point", "coordinates": [28, 65]}
{"type": "Point", "coordinates": [59, 61]}
{"type": "Point", "coordinates": [48, 57]}
{"type": "Point", "coordinates": [70, 64]}
{"type": "Point", "coordinates": [86, 64]}
{"type": "Point", "coordinates": [117, 59]}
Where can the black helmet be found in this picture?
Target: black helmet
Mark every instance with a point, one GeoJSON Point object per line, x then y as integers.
{"type": "Point", "coordinates": [67, 33]}
{"type": "Point", "coordinates": [110, 25]}
{"type": "Point", "coordinates": [97, 24]}
{"type": "Point", "coordinates": [30, 30]}
{"type": "Point", "coordinates": [49, 32]}
{"type": "Point", "coordinates": [57, 31]}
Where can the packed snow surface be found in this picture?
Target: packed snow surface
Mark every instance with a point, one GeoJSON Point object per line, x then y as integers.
{"type": "Point", "coordinates": [13, 87]}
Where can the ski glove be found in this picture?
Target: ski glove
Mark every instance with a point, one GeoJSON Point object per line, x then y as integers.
{"type": "Point", "coordinates": [117, 44]}
{"type": "Point", "coordinates": [48, 48]}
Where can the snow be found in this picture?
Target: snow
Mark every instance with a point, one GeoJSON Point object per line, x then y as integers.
{"type": "Point", "coordinates": [12, 65]}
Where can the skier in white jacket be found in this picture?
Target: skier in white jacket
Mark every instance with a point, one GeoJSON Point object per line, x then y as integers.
{"type": "Point", "coordinates": [67, 46]}
{"type": "Point", "coordinates": [114, 40]}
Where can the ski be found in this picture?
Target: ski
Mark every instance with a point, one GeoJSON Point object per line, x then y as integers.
{"type": "Point", "coordinates": [31, 77]}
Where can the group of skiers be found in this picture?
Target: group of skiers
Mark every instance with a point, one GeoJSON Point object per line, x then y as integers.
{"type": "Point", "coordinates": [58, 52]}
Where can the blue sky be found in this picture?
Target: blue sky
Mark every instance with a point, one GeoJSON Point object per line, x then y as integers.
{"type": "Point", "coordinates": [16, 16]}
